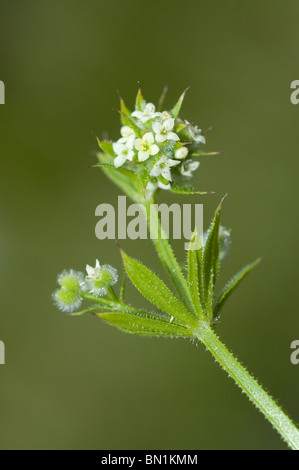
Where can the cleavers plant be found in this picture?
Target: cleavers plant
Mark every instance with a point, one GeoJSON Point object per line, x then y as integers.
{"type": "Point", "coordinates": [159, 150]}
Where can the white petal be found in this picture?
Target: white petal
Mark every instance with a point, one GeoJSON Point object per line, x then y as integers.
{"type": "Point", "coordinates": [157, 126]}
{"type": "Point", "coordinates": [169, 124]}
{"type": "Point", "coordinates": [130, 141]}
{"type": "Point", "coordinates": [145, 118]}
{"type": "Point", "coordinates": [158, 115]}
{"type": "Point", "coordinates": [119, 160]}
{"type": "Point", "coordinates": [142, 156]}
{"type": "Point", "coordinates": [161, 138]}
{"type": "Point", "coordinates": [164, 186]}
{"type": "Point", "coordinates": [151, 186]}
{"type": "Point", "coordinates": [163, 159]}
{"type": "Point", "coordinates": [193, 166]}
{"type": "Point", "coordinates": [200, 138]}
{"type": "Point", "coordinates": [154, 149]}
{"type": "Point", "coordinates": [89, 270]}
{"type": "Point", "coordinates": [130, 155]}
{"type": "Point", "coordinates": [166, 173]}
{"type": "Point", "coordinates": [172, 136]}
{"type": "Point", "coordinates": [137, 114]}
{"type": "Point", "coordinates": [148, 137]}
{"type": "Point", "coordinates": [98, 264]}
{"type": "Point", "coordinates": [171, 162]}
{"type": "Point", "coordinates": [166, 115]}
{"type": "Point", "coordinates": [137, 144]}
{"type": "Point", "coordinates": [118, 147]}
{"type": "Point", "coordinates": [156, 170]}
{"type": "Point", "coordinates": [149, 108]}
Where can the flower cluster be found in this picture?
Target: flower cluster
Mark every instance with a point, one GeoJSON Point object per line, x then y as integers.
{"type": "Point", "coordinates": [158, 146]}
{"type": "Point", "coordinates": [73, 285]}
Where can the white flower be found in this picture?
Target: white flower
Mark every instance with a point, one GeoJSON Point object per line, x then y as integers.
{"type": "Point", "coordinates": [100, 278]}
{"type": "Point", "coordinates": [166, 115]}
{"type": "Point", "coordinates": [188, 167]}
{"type": "Point", "coordinates": [148, 113]}
{"type": "Point", "coordinates": [162, 167]}
{"type": "Point", "coordinates": [195, 133]}
{"type": "Point", "coordinates": [93, 273]}
{"type": "Point", "coordinates": [181, 153]}
{"type": "Point", "coordinates": [163, 131]}
{"type": "Point", "coordinates": [127, 133]}
{"type": "Point", "coordinates": [146, 147]}
{"type": "Point", "coordinates": [164, 186]}
{"type": "Point", "coordinates": [153, 186]}
{"type": "Point", "coordinates": [124, 151]}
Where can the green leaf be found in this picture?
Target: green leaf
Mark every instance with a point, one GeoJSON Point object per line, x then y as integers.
{"type": "Point", "coordinates": [122, 289]}
{"type": "Point", "coordinates": [125, 179]}
{"type": "Point", "coordinates": [205, 154]}
{"type": "Point", "coordinates": [233, 284]}
{"type": "Point", "coordinates": [183, 189]}
{"type": "Point", "coordinates": [176, 109]}
{"type": "Point", "coordinates": [140, 101]}
{"type": "Point", "coordinates": [194, 254]}
{"type": "Point", "coordinates": [166, 254]}
{"type": "Point", "coordinates": [123, 110]}
{"type": "Point", "coordinates": [211, 262]}
{"type": "Point", "coordinates": [146, 324]}
{"type": "Point", "coordinates": [127, 121]}
{"type": "Point", "coordinates": [153, 289]}
{"type": "Point", "coordinates": [107, 147]}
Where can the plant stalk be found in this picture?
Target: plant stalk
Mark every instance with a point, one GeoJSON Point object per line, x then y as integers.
{"type": "Point", "coordinates": [281, 422]}
{"type": "Point", "coordinates": [254, 391]}
{"type": "Point", "coordinates": [166, 254]}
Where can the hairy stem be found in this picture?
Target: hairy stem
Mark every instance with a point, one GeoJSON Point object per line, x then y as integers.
{"type": "Point", "coordinates": [264, 402]}
{"type": "Point", "coordinates": [166, 254]}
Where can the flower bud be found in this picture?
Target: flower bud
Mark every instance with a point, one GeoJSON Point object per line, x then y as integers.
{"type": "Point", "coordinates": [67, 300]}
{"type": "Point", "coordinates": [71, 279]}
{"type": "Point", "coordinates": [181, 153]}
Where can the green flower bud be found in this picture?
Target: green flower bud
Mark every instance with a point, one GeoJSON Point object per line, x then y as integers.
{"type": "Point", "coordinates": [67, 300]}
{"type": "Point", "coordinates": [71, 279]}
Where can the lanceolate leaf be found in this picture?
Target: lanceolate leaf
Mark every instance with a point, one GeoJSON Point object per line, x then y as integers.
{"type": "Point", "coordinates": [124, 111]}
{"type": "Point", "coordinates": [232, 284]}
{"type": "Point", "coordinates": [211, 255]}
{"type": "Point", "coordinates": [176, 109]}
{"type": "Point", "coordinates": [125, 179]}
{"type": "Point", "coordinates": [194, 272]}
{"type": "Point", "coordinates": [166, 255]}
{"type": "Point", "coordinates": [140, 101]}
{"type": "Point", "coordinates": [153, 289]}
{"type": "Point", "coordinates": [182, 189]}
{"type": "Point", "coordinates": [107, 147]}
{"type": "Point", "coordinates": [205, 154]}
{"type": "Point", "coordinates": [146, 324]}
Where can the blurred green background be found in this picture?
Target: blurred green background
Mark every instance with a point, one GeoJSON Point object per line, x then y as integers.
{"type": "Point", "coordinates": [78, 383]}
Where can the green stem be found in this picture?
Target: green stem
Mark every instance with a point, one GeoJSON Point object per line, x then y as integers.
{"type": "Point", "coordinates": [267, 405]}
{"type": "Point", "coordinates": [166, 254]}
{"type": "Point", "coordinates": [112, 295]}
